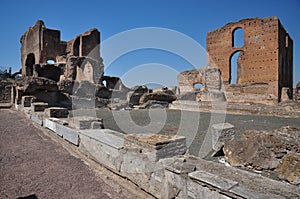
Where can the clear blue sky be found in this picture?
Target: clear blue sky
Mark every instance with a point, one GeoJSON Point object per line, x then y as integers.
{"type": "Point", "coordinates": [194, 18]}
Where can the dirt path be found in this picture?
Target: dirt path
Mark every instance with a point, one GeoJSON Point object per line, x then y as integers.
{"type": "Point", "coordinates": [33, 164]}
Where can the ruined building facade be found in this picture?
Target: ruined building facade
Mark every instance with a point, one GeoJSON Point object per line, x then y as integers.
{"type": "Point", "coordinates": [58, 72]}
{"type": "Point", "coordinates": [265, 63]}
{"type": "Point", "coordinates": [40, 45]}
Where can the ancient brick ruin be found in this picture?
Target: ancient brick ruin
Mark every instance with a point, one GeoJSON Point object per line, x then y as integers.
{"type": "Point", "coordinates": [39, 45]}
{"type": "Point", "coordinates": [264, 65]}
{"type": "Point", "coordinates": [70, 74]}
{"type": "Point", "coordinates": [209, 77]}
{"type": "Point", "coordinates": [266, 58]}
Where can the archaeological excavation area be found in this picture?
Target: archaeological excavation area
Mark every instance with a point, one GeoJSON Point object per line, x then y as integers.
{"type": "Point", "coordinates": [224, 139]}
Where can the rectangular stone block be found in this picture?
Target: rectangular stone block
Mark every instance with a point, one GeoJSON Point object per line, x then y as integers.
{"type": "Point", "coordinates": [156, 146]}
{"type": "Point", "coordinates": [50, 124]}
{"type": "Point", "coordinates": [213, 180]}
{"type": "Point", "coordinates": [104, 146]}
{"type": "Point", "coordinates": [106, 136]}
{"type": "Point", "coordinates": [56, 112]}
{"type": "Point", "coordinates": [38, 106]}
{"type": "Point", "coordinates": [84, 122]}
{"type": "Point", "coordinates": [195, 191]}
{"type": "Point", "coordinates": [37, 118]}
{"type": "Point", "coordinates": [68, 133]}
{"type": "Point", "coordinates": [221, 133]}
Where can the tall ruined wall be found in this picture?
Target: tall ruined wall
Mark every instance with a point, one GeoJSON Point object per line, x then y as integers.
{"type": "Point", "coordinates": [263, 54]}
{"type": "Point", "coordinates": [30, 45]}
{"type": "Point", "coordinates": [285, 61]}
{"type": "Point", "coordinates": [90, 44]}
{"type": "Point", "coordinates": [51, 45]}
{"type": "Point", "coordinates": [86, 44]}
{"type": "Point", "coordinates": [40, 44]}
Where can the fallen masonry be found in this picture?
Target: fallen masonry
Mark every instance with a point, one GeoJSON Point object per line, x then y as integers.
{"type": "Point", "coordinates": [268, 151]}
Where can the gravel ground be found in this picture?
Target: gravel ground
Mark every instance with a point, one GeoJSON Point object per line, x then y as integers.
{"type": "Point", "coordinates": [33, 165]}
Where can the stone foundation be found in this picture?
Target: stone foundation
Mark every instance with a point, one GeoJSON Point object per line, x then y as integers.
{"type": "Point", "coordinates": [155, 164]}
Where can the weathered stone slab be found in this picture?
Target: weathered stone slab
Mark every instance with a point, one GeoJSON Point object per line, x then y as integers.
{"type": "Point", "coordinates": [68, 133]}
{"type": "Point", "coordinates": [84, 122]}
{"type": "Point", "coordinates": [221, 133]}
{"type": "Point", "coordinates": [56, 112]}
{"type": "Point", "coordinates": [157, 146]}
{"type": "Point", "coordinates": [37, 118]}
{"type": "Point", "coordinates": [50, 124]}
{"type": "Point", "coordinates": [196, 191]}
{"type": "Point", "coordinates": [212, 179]}
{"type": "Point", "coordinates": [248, 193]}
{"type": "Point", "coordinates": [181, 167]}
{"type": "Point", "coordinates": [38, 106]}
{"type": "Point", "coordinates": [104, 146]}
{"type": "Point", "coordinates": [106, 136]}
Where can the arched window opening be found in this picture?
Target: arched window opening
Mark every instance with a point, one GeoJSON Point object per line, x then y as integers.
{"type": "Point", "coordinates": [238, 37]}
{"type": "Point", "coordinates": [197, 86]}
{"type": "Point", "coordinates": [234, 68]}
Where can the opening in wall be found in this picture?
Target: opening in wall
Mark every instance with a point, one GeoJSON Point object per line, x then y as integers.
{"type": "Point", "coordinates": [238, 37]}
{"type": "Point", "coordinates": [234, 68]}
{"type": "Point", "coordinates": [104, 83]}
{"type": "Point", "coordinates": [30, 61]}
{"type": "Point", "coordinates": [77, 47]}
{"type": "Point", "coordinates": [197, 86]}
{"type": "Point", "coordinates": [50, 61]}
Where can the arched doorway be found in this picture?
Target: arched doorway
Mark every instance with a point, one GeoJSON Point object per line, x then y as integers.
{"type": "Point", "coordinates": [30, 61]}
{"type": "Point", "coordinates": [234, 68]}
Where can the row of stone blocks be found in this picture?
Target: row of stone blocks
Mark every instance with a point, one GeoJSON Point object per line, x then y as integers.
{"type": "Point", "coordinates": [158, 165]}
{"type": "Point", "coordinates": [56, 119]}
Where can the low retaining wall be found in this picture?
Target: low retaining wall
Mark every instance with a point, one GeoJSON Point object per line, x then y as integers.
{"type": "Point", "coordinates": [158, 164]}
{"type": "Point", "coordinates": [286, 109]}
